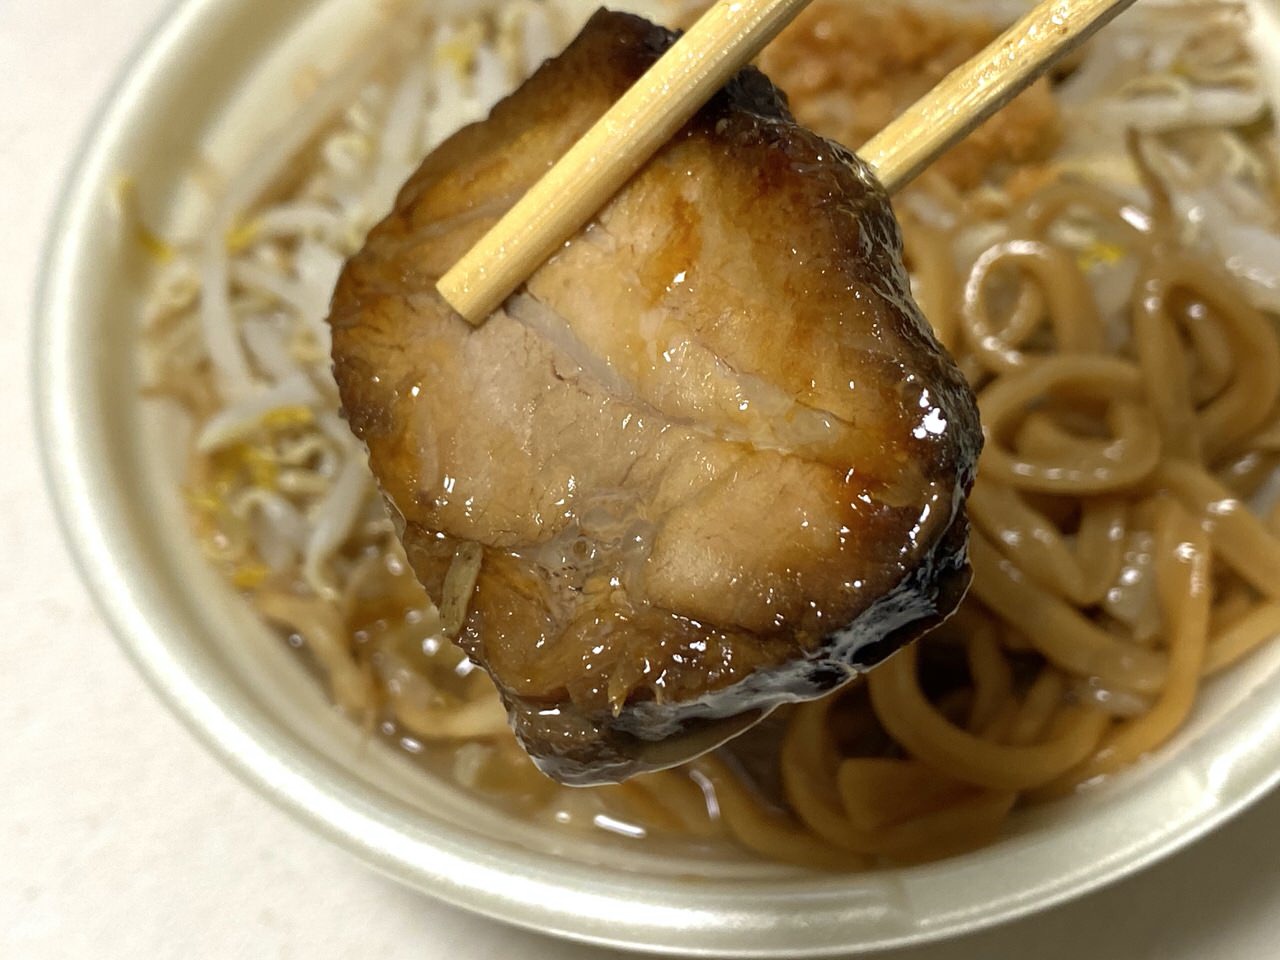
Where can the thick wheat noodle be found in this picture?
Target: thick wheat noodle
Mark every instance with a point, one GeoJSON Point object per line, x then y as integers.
{"type": "Point", "coordinates": [681, 797]}
{"type": "Point", "coordinates": [647, 808]}
{"type": "Point", "coordinates": [1060, 632]}
{"type": "Point", "coordinates": [474, 720]}
{"type": "Point", "coordinates": [916, 724]}
{"type": "Point", "coordinates": [1248, 401]}
{"type": "Point", "coordinates": [906, 809]}
{"type": "Point", "coordinates": [906, 823]}
{"type": "Point", "coordinates": [1057, 200]}
{"type": "Point", "coordinates": [1041, 437]}
{"type": "Point", "coordinates": [995, 345]}
{"type": "Point", "coordinates": [1244, 345]}
{"type": "Point", "coordinates": [922, 815]}
{"type": "Point", "coordinates": [1079, 572]}
{"type": "Point", "coordinates": [992, 677]}
{"type": "Point", "coordinates": [1038, 707]}
{"type": "Point", "coordinates": [1115, 463]}
{"type": "Point", "coordinates": [1099, 546]}
{"type": "Point", "coordinates": [1242, 636]}
{"type": "Point", "coordinates": [1185, 590]}
{"type": "Point", "coordinates": [809, 761]}
{"type": "Point", "coordinates": [768, 831]}
{"type": "Point", "coordinates": [1239, 536]}
{"type": "Point", "coordinates": [997, 729]}
{"type": "Point", "coordinates": [1063, 294]}
{"type": "Point", "coordinates": [1268, 438]}
{"type": "Point", "coordinates": [879, 791]}
{"type": "Point", "coordinates": [1165, 370]}
{"type": "Point", "coordinates": [1232, 599]}
{"type": "Point", "coordinates": [1212, 349]}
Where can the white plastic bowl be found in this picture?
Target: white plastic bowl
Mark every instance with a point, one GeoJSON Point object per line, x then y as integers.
{"type": "Point", "coordinates": [211, 80]}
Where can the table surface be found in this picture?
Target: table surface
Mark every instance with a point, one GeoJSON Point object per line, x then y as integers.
{"type": "Point", "coordinates": [120, 837]}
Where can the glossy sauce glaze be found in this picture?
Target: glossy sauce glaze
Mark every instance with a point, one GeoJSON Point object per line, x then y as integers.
{"type": "Point", "coordinates": [709, 459]}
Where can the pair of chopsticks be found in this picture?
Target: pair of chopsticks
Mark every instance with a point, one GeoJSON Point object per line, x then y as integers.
{"type": "Point", "coordinates": [725, 38]}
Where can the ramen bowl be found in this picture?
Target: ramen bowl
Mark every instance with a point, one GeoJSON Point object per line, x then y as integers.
{"type": "Point", "coordinates": [203, 84]}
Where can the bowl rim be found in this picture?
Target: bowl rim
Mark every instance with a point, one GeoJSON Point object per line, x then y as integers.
{"type": "Point", "coordinates": [541, 892]}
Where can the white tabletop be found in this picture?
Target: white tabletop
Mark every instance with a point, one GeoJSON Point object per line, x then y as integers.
{"type": "Point", "coordinates": [121, 838]}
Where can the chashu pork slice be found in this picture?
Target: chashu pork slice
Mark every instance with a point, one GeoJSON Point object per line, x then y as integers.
{"type": "Point", "coordinates": [708, 459]}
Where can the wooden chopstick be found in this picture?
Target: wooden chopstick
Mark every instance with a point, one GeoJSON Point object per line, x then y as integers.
{"type": "Point", "coordinates": [725, 38]}
{"type": "Point", "coordinates": [698, 64]}
{"type": "Point", "coordinates": [976, 89]}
